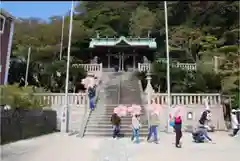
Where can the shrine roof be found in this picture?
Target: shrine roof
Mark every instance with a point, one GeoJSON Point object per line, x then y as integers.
{"type": "Point", "coordinates": [131, 41]}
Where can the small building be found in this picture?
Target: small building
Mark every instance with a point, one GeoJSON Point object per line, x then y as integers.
{"type": "Point", "coordinates": [124, 52]}
{"type": "Point", "coordinates": [6, 36]}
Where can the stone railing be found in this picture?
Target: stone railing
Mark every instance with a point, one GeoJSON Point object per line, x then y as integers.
{"type": "Point", "coordinates": [193, 105]}
{"type": "Point", "coordinates": [51, 99]}
{"type": "Point", "coordinates": [96, 69]}
{"type": "Point", "coordinates": [187, 98]}
{"type": "Point", "coordinates": [186, 66]}
{"type": "Point", "coordinates": [144, 67]}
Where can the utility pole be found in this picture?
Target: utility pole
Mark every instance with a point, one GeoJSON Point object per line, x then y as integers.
{"type": "Point", "coordinates": [168, 66]}
{"type": "Point", "coordinates": [65, 116]}
{"type": "Point", "coordinates": [27, 68]}
{"type": "Point", "coordinates": [62, 38]}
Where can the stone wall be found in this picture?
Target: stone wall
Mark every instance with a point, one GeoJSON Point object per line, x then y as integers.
{"type": "Point", "coordinates": [76, 116]}
{"type": "Point", "coordinates": [196, 110]}
{"type": "Point", "coordinates": [22, 124]}
{"type": "Point", "coordinates": [217, 119]}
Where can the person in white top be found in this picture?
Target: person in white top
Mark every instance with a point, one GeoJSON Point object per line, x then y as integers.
{"type": "Point", "coordinates": [136, 127]}
{"type": "Point", "coordinates": [235, 123]}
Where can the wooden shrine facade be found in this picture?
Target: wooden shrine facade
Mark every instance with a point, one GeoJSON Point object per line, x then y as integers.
{"type": "Point", "coordinates": [124, 52]}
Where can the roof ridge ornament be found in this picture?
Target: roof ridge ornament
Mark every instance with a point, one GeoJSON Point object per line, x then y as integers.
{"type": "Point", "coordinates": [149, 32]}
{"type": "Point", "coordinates": [98, 36]}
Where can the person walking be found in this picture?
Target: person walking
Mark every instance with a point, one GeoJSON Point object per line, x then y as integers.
{"type": "Point", "coordinates": [154, 123]}
{"type": "Point", "coordinates": [205, 117]}
{"type": "Point", "coordinates": [178, 128]}
{"type": "Point", "coordinates": [235, 123]}
{"type": "Point", "coordinates": [135, 128]}
{"type": "Point", "coordinates": [91, 96]}
{"type": "Point", "coordinates": [116, 121]}
{"type": "Point", "coordinates": [204, 120]}
{"type": "Point", "coordinates": [177, 124]}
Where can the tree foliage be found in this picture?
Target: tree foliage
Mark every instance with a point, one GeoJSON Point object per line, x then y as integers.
{"type": "Point", "coordinates": [20, 97]}
{"type": "Point", "coordinates": [198, 31]}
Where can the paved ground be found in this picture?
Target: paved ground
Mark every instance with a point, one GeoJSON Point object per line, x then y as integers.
{"type": "Point", "coordinates": [61, 147]}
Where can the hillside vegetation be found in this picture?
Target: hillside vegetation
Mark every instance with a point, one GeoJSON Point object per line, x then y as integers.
{"type": "Point", "coordinates": [198, 31]}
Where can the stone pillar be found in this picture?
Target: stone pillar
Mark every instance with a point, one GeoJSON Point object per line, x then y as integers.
{"type": "Point", "coordinates": [149, 88]}
{"type": "Point", "coordinates": [134, 61]}
{"type": "Point", "coordinates": [109, 61]}
{"type": "Point", "coordinates": [119, 61]}
{"type": "Point", "coordinates": [123, 61]}
{"type": "Point", "coordinates": [149, 91]}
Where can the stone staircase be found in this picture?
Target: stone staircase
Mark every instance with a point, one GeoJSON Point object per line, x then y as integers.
{"type": "Point", "coordinates": [130, 94]}
{"type": "Point", "coordinates": [121, 89]}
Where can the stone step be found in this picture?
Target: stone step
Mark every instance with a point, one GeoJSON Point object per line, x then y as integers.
{"type": "Point", "coordinates": [108, 117]}
{"type": "Point", "coordinates": [110, 126]}
{"type": "Point", "coordinates": [109, 129]}
{"type": "Point", "coordinates": [123, 122]}
{"type": "Point", "coordinates": [110, 112]}
{"type": "Point", "coordinates": [109, 134]}
{"type": "Point", "coordinates": [108, 121]}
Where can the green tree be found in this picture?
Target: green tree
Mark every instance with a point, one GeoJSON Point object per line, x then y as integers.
{"type": "Point", "coordinates": [142, 21]}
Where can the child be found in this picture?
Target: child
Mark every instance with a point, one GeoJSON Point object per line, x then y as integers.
{"type": "Point", "coordinates": [116, 121]}
{"type": "Point", "coordinates": [136, 127]}
{"type": "Point", "coordinates": [154, 123]}
{"type": "Point", "coordinates": [200, 135]}
{"type": "Point", "coordinates": [204, 120]}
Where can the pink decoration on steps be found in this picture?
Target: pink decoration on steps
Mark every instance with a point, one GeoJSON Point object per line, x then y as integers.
{"type": "Point", "coordinates": [120, 110]}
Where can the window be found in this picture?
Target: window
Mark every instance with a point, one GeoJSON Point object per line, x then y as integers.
{"type": "Point", "coordinates": [189, 116]}
{"type": "Point", "coordinates": [2, 23]}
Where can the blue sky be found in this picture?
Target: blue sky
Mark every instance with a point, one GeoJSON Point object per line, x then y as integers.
{"type": "Point", "coordinates": [43, 10]}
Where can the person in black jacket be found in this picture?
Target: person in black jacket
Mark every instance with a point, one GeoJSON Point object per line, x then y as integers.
{"type": "Point", "coordinates": [116, 121]}
{"type": "Point", "coordinates": [204, 119]}
{"type": "Point", "coordinates": [178, 130]}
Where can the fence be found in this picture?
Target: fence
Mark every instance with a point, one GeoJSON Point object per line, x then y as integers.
{"type": "Point", "coordinates": [144, 67]}
{"type": "Point", "coordinates": [187, 98]}
{"type": "Point", "coordinates": [186, 66]}
{"type": "Point", "coordinates": [96, 69]}
{"type": "Point", "coordinates": [59, 98]}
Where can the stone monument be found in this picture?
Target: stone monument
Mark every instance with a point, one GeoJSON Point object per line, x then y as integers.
{"type": "Point", "coordinates": [145, 59]}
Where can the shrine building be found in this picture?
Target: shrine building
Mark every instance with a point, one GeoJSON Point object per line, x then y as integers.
{"type": "Point", "coordinates": [124, 52]}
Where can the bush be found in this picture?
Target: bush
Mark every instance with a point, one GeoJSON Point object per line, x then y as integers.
{"type": "Point", "coordinates": [19, 97]}
{"type": "Point", "coordinates": [181, 80]}
{"type": "Point", "coordinates": [236, 100]}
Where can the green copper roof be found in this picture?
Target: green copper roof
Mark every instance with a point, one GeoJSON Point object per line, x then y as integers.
{"type": "Point", "coordinates": [111, 42]}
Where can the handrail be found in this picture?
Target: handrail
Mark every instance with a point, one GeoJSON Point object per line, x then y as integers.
{"type": "Point", "coordinates": [87, 115]}
{"type": "Point", "coordinates": [119, 90]}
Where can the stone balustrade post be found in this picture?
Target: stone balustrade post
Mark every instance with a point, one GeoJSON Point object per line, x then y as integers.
{"type": "Point", "coordinates": [149, 91]}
